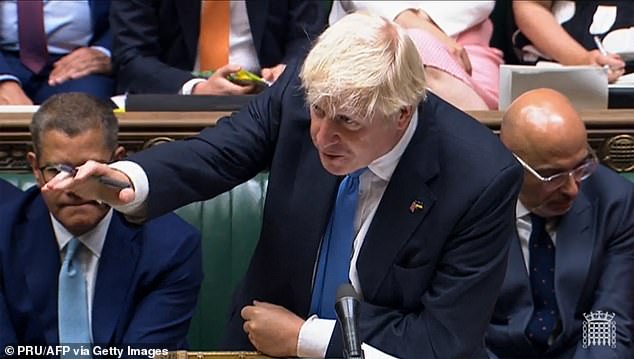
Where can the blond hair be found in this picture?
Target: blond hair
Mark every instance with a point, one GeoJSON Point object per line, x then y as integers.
{"type": "Point", "coordinates": [363, 65]}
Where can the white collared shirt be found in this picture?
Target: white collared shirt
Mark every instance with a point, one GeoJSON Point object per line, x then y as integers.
{"type": "Point", "coordinates": [524, 227]}
{"type": "Point", "coordinates": [88, 254]}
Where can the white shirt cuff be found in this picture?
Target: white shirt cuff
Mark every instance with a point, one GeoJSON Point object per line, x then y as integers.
{"type": "Point", "coordinates": [140, 183]}
{"type": "Point", "coordinates": [7, 77]}
{"type": "Point", "coordinates": [314, 337]}
{"type": "Point", "coordinates": [188, 87]}
{"type": "Point", "coordinates": [103, 50]}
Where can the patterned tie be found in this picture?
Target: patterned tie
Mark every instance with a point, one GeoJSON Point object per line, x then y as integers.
{"type": "Point", "coordinates": [32, 37]}
{"type": "Point", "coordinates": [336, 250]}
{"type": "Point", "coordinates": [542, 276]}
{"type": "Point", "coordinates": [73, 301]}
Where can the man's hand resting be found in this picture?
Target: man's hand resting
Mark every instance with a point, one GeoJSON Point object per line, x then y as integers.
{"type": "Point", "coordinates": [272, 329]}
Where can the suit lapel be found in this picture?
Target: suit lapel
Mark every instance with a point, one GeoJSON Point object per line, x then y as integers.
{"type": "Point", "coordinates": [394, 222]}
{"type": "Point", "coordinates": [314, 199]}
{"type": "Point", "coordinates": [574, 249]}
{"type": "Point", "coordinates": [117, 265]}
{"type": "Point", "coordinates": [42, 252]}
{"type": "Point", "coordinates": [257, 12]}
{"type": "Point", "coordinates": [517, 289]}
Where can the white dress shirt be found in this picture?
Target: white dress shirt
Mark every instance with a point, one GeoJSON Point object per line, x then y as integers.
{"type": "Point", "coordinates": [88, 254]}
{"type": "Point", "coordinates": [524, 228]}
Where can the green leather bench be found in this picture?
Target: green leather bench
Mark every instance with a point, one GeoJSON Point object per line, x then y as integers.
{"type": "Point", "coordinates": [230, 226]}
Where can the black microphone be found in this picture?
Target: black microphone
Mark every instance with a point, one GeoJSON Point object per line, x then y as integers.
{"type": "Point", "coordinates": [347, 308]}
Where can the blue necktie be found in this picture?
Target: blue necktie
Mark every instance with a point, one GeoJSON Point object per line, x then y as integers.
{"type": "Point", "coordinates": [73, 301]}
{"type": "Point", "coordinates": [336, 249]}
{"type": "Point", "coordinates": [542, 275]}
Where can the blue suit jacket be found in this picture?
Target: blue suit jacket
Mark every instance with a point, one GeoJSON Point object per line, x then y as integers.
{"type": "Point", "coordinates": [156, 42]}
{"type": "Point", "coordinates": [99, 10]}
{"type": "Point", "coordinates": [8, 191]}
{"type": "Point", "coordinates": [594, 271]}
{"type": "Point", "coordinates": [146, 288]}
{"type": "Point", "coordinates": [429, 278]}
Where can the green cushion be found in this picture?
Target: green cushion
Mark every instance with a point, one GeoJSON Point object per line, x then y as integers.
{"type": "Point", "coordinates": [628, 175]}
{"type": "Point", "coordinates": [20, 180]}
{"type": "Point", "coordinates": [230, 224]}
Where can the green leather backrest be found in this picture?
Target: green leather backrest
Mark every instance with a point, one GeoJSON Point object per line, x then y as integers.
{"type": "Point", "coordinates": [230, 225]}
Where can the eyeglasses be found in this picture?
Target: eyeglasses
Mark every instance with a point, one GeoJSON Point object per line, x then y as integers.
{"type": "Point", "coordinates": [579, 173]}
{"type": "Point", "coordinates": [52, 170]}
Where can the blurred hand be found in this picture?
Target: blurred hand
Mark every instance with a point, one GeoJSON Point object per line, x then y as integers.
{"type": "Point", "coordinates": [218, 84]}
{"type": "Point", "coordinates": [271, 74]}
{"type": "Point", "coordinates": [272, 329]}
{"type": "Point", "coordinates": [419, 19]}
{"type": "Point", "coordinates": [86, 185]}
{"type": "Point", "coordinates": [79, 63]}
{"type": "Point", "coordinates": [11, 94]}
{"type": "Point", "coordinates": [613, 61]}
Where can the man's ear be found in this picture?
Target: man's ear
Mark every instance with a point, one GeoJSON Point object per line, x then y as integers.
{"type": "Point", "coordinates": [33, 162]}
{"type": "Point", "coordinates": [119, 153]}
{"type": "Point", "coordinates": [405, 115]}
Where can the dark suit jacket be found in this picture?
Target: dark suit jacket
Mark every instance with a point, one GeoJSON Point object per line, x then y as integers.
{"type": "Point", "coordinates": [146, 288]}
{"type": "Point", "coordinates": [99, 10]}
{"type": "Point", "coordinates": [594, 270]}
{"type": "Point", "coordinates": [156, 42]}
{"type": "Point", "coordinates": [429, 278]}
{"type": "Point", "coordinates": [8, 191]}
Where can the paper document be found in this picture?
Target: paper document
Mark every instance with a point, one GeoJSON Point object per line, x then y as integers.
{"type": "Point", "coordinates": [19, 108]}
{"type": "Point", "coordinates": [625, 81]}
{"type": "Point", "coordinates": [585, 86]}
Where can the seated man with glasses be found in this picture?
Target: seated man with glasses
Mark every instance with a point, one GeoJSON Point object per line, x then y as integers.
{"type": "Point", "coordinates": [73, 271]}
{"type": "Point", "coordinates": [569, 286]}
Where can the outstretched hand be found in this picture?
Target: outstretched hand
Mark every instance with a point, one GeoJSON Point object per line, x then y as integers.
{"type": "Point", "coordinates": [85, 184]}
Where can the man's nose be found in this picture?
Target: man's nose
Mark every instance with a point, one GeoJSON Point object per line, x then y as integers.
{"type": "Point", "coordinates": [326, 133]}
{"type": "Point", "coordinates": [571, 187]}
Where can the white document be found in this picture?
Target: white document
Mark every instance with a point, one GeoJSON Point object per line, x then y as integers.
{"type": "Point", "coordinates": [585, 86]}
{"type": "Point", "coordinates": [19, 108]}
{"type": "Point", "coordinates": [625, 81]}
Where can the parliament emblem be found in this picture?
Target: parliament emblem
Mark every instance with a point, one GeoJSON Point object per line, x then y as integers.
{"type": "Point", "coordinates": [599, 329]}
